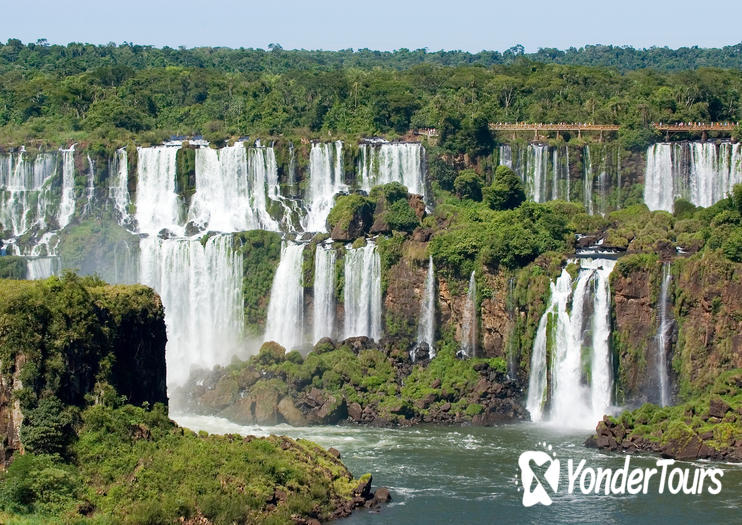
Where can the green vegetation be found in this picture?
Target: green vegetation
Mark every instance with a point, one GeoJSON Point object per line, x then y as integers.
{"type": "Point", "coordinates": [90, 456]}
{"type": "Point", "coordinates": [261, 252]}
{"type": "Point", "coordinates": [712, 420]}
{"type": "Point", "coordinates": [12, 267]}
{"type": "Point", "coordinates": [350, 209]}
{"type": "Point", "coordinates": [111, 95]}
{"type": "Point", "coordinates": [512, 238]}
{"type": "Point", "coordinates": [506, 191]}
{"type": "Point", "coordinates": [379, 380]}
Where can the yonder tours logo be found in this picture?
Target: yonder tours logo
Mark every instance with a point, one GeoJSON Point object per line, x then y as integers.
{"type": "Point", "coordinates": [540, 472]}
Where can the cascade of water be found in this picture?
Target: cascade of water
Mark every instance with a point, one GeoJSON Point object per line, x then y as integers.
{"type": "Point", "coordinates": [326, 180]}
{"type": "Point", "coordinates": [401, 162]}
{"type": "Point", "coordinates": [555, 174]}
{"type": "Point", "coordinates": [506, 156]}
{"type": "Point", "coordinates": [41, 267]}
{"type": "Point", "coordinates": [25, 191]}
{"type": "Point", "coordinates": [663, 337]}
{"type": "Point", "coordinates": [658, 179]}
{"type": "Point", "coordinates": [701, 172]}
{"type": "Point", "coordinates": [285, 323]}
{"type": "Point", "coordinates": [587, 185]}
{"type": "Point", "coordinates": [470, 321]}
{"type": "Point", "coordinates": [581, 377]}
{"type": "Point", "coordinates": [426, 323]}
{"type": "Point", "coordinates": [125, 268]}
{"type": "Point", "coordinates": [200, 286]}
{"type": "Point", "coordinates": [118, 191]}
{"type": "Point", "coordinates": [561, 290]}
{"type": "Point", "coordinates": [90, 188]}
{"type": "Point", "coordinates": [537, 171]}
{"type": "Point", "coordinates": [324, 293]}
{"type": "Point", "coordinates": [67, 203]}
{"type": "Point", "coordinates": [601, 376]}
{"type": "Point", "coordinates": [157, 202]}
{"type": "Point", "coordinates": [362, 292]}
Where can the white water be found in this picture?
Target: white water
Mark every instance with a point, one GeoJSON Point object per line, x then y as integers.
{"type": "Point", "coordinates": [537, 174]}
{"type": "Point", "coordinates": [587, 181]}
{"type": "Point", "coordinates": [326, 180]}
{"type": "Point", "coordinates": [426, 322]}
{"type": "Point", "coordinates": [470, 321]}
{"type": "Point", "coordinates": [233, 189]}
{"type": "Point", "coordinates": [556, 309]}
{"type": "Point", "coordinates": [401, 162]}
{"type": "Point", "coordinates": [67, 203]}
{"type": "Point", "coordinates": [663, 337]}
{"type": "Point", "coordinates": [201, 290]}
{"type": "Point", "coordinates": [323, 319]}
{"type": "Point", "coordinates": [362, 292]}
{"type": "Point", "coordinates": [118, 190]}
{"type": "Point", "coordinates": [41, 267]}
{"type": "Point", "coordinates": [90, 188]}
{"type": "Point", "coordinates": [285, 323]}
{"type": "Point", "coordinates": [543, 169]}
{"type": "Point", "coordinates": [701, 172]}
{"type": "Point", "coordinates": [581, 370]}
{"type": "Point", "coordinates": [25, 191]}
{"type": "Point", "coordinates": [158, 204]}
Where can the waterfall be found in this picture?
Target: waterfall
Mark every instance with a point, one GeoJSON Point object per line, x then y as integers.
{"type": "Point", "coordinates": [41, 267]}
{"type": "Point", "coordinates": [469, 321]}
{"type": "Point", "coordinates": [326, 179]}
{"type": "Point", "coordinates": [426, 323]}
{"type": "Point", "coordinates": [587, 181]}
{"type": "Point", "coordinates": [543, 169]}
{"type": "Point", "coordinates": [701, 172]}
{"type": "Point", "coordinates": [663, 336]}
{"type": "Point", "coordinates": [538, 155]}
{"type": "Point", "coordinates": [323, 320]}
{"type": "Point", "coordinates": [400, 161]}
{"type": "Point", "coordinates": [285, 323]}
{"type": "Point", "coordinates": [362, 292]}
{"type": "Point", "coordinates": [67, 203]}
{"type": "Point", "coordinates": [118, 190]}
{"type": "Point", "coordinates": [201, 290]}
{"type": "Point", "coordinates": [506, 156]}
{"type": "Point", "coordinates": [157, 202]}
{"type": "Point", "coordinates": [580, 365]}
{"type": "Point", "coordinates": [556, 309]}
{"type": "Point", "coordinates": [90, 188]}
{"type": "Point", "coordinates": [25, 191]}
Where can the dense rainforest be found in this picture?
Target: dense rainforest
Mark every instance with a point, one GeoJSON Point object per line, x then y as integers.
{"type": "Point", "coordinates": [478, 233]}
{"type": "Point", "coordinates": [111, 94]}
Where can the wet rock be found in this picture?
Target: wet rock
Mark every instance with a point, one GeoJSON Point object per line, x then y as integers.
{"type": "Point", "coordinates": [355, 412]}
{"type": "Point", "coordinates": [290, 413]}
{"type": "Point", "coordinates": [334, 452]}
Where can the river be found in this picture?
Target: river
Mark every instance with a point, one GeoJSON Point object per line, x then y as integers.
{"type": "Point", "coordinates": [470, 475]}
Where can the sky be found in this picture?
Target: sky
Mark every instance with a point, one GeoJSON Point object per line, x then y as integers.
{"type": "Point", "coordinates": [384, 25]}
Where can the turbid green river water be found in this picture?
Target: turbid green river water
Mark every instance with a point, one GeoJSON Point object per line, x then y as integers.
{"type": "Point", "coordinates": [470, 475]}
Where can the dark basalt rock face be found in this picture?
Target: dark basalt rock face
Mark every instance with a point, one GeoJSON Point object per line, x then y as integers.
{"type": "Point", "coordinates": [106, 338]}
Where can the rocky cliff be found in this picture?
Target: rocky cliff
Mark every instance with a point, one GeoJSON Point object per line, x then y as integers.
{"type": "Point", "coordinates": [80, 342]}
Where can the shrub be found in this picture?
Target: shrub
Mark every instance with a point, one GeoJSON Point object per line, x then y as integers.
{"type": "Point", "coordinates": [47, 428]}
{"type": "Point", "coordinates": [401, 217]}
{"type": "Point", "coordinates": [468, 185]}
{"type": "Point", "coordinates": [732, 246]}
{"type": "Point", "coordinates": [506, 191]}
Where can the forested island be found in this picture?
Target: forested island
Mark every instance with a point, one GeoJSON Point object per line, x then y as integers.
{"type": "Point", "coordinates": [285, 248]}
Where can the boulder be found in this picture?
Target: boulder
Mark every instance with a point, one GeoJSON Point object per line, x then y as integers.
{"type": "Point", "coordinates": [718, 407]}
{"type": "Point", "coordinates": [290, 413]}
